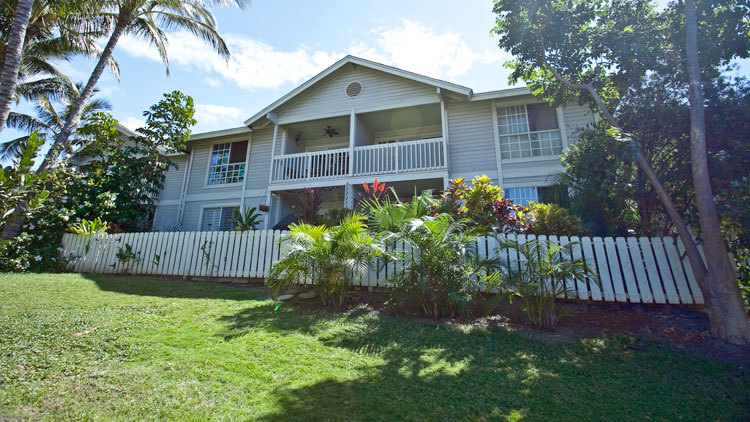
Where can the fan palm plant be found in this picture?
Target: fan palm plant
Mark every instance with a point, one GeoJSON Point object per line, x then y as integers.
{"type": "Point", "coordinates": [438, 265]}
{"type": "Point", "coordinates": [247, 220]}
{"type": "Point", "coordinates": [386, 215]}
{"type": "Point", "coordinates": [328, 258]}
{"type": "Point", "coordinates": [48, 120]}
{"type": "Point", "coordinates": [540, 275]}
{"type": "Point", "coordinates": [149, 20]}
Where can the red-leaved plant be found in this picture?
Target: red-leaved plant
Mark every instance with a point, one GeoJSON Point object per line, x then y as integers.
{"type": "Point", "coordinates": [376, 192]}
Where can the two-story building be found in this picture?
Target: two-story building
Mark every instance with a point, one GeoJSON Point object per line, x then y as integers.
{"type": "Point", "coordinates": [359, 120]}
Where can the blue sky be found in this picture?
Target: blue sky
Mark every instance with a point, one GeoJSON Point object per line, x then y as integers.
{"type": "Point", "coordinates": [276, 45]}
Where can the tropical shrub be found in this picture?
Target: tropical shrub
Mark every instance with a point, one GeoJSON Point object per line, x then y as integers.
{"type": "Point", "coordinates": [133, 172]}
{"type": "Point", "coordinates": [328, 258]}
{"type": "Point", "coordinates": [377, 192]}
{"type": "Point", "coordinates": [21, 188]}
{"type": "Point", "coordinates": [390, 216]}
{"type": "Point", "coordinates": [540, 276]}
{"type": "Point", "coordinates": [89, 227]}
{"type": "Point", "coordinates": [333, 216]}
{"type": "Point", "coordinates": [484, 205]}
{"type": "Point", "coordinates": [551, 219]}
{"type": "Point", "coordinates": [247, 220]}
{"type": "Point", "coordinates": [308, 206]}
{"type": "Point", "coordinates": [437, 265]}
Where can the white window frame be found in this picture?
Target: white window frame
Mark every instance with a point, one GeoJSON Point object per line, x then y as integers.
{"type": "Point", "coordinates": [214, 205]}
{"type": "Point", "coordinates": [560, 129]}
{"type": "Point", "coordinates": [536, 190]}
{"type": "Point", "coordinates": [208, 165]}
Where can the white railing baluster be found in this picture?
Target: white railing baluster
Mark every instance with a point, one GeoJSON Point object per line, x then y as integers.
{"type": "Point", "coordinates": [397, 157]}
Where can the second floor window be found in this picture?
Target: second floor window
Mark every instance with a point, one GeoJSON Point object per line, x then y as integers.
{"type": "Point", "coordinates": [528, 131]}
{"type": "Point", "coordinates": [227, 163]}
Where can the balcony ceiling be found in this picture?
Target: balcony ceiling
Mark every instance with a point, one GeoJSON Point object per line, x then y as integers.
{"type": "Point", "coordinates": [402, 118]}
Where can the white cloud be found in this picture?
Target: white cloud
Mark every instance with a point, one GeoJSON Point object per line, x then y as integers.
{"type": "Point", "coordinates": [213, 82]}
{"type": "Point", "coordinates": [132, 122]}
{"type": "Point", "coordinates": [211, 114]}
{"type": "Point", "coordinates": [415, 47]}
{"type": "Point", "coordinates": [254, 64]}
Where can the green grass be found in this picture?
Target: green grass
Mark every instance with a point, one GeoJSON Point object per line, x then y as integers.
{"type": "Point", "coordinates": [112, 348]}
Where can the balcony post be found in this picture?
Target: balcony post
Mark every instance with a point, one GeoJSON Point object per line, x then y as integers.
{"type": "Point", "coordinates": [352, 140]}
{"type": "Point", "coordinates": [273, 152]}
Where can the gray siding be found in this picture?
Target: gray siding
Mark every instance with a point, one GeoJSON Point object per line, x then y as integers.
{"type": "Point", "coordinates": [199, 173]}
{"type": "Point", "coordinates": [190, 216]}
{"type": "Point", "coordinates": [174, 178]}
{"type": "Point", "coordinates": [576, 118]}
{"type": "Point", "coordinates": [380, 90]}
{"type": "Point", "coordinates": [166, 218]}
{"type": "Point", "coordinates": [260, 159]}
{"type": "Point", "coordinates": [472, 140]}
{"type": "Point", "coordinates": [539, 172]}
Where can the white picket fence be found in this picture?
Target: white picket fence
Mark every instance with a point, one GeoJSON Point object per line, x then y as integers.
{"type": "Point", "coordinates": [637, 270]}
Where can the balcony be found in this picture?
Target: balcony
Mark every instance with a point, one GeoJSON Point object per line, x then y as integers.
{"type": "Point", "coordinates": [369, 160]}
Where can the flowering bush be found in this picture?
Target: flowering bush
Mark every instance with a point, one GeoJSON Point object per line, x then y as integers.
{"type": "Point", "coordinates": [485, 206]}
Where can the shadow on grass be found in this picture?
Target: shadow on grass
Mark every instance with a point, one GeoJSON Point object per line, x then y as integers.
{"type": "Point", "coordinates": [145, 286]}
{"type": "Point", "coordinates": [437, 372]}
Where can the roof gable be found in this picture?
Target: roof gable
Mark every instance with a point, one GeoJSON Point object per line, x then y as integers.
{"type": "Point", "coordinates": [357, 67]}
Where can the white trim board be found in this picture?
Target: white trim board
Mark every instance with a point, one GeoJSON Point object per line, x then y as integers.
{"type": "Point", "coordinates": [358, 180]}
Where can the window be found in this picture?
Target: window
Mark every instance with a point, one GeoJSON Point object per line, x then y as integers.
{"type": "Point", "coordinates": [227, 163]}
{"type": "Point", "coordinates": [218, 219]}
{"type": "Point", "coordinates": [522, 196]}
{"type": "Point", "coordinates": [528, 131]}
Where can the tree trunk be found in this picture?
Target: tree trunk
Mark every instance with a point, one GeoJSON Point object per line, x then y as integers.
{"type": "Point", "coordinates": [13, 50]}
{"type": "Point", "coordinates": [691, 249]}
{"type": "Point", "coordinates": [61, 140]}
{"type": "Point", "coordinates": [723, 299]}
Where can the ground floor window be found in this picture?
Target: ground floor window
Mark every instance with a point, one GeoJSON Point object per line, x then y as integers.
{"type": "Point", "coordinates": [218, 219]}
{"type": "Point", "coordinates": [522, 196]}
{"type": "Point", "coordinates": [539, 194]}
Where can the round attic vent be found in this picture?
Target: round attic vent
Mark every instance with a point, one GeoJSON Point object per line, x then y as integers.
{"type": "Point", "coordinates": [353, 89]}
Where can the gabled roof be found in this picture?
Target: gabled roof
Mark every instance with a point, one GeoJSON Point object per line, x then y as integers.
{"type": "Point", "coordinates": [365, 63]}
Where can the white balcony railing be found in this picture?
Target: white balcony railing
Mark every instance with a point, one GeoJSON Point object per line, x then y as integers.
{"type": "Point", "coordinates": [310, 166]}
{"type": "Point", "coordinates": [397, 157]}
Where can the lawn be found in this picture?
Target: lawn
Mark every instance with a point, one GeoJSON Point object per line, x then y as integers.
{"type": "Point", "coordinates": [85, 347]}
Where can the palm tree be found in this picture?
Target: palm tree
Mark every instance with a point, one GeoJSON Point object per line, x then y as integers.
{"type": "Point", "coordinates": [328, 258]}
{"type": "Point", "coordinates": [56, 31]}
{"type": "Point", "coordinates": [12, 57]}
{"type": "Point", "coordinates": [147, 19]}
{"type": "Point", "coordinates": [48, 120]}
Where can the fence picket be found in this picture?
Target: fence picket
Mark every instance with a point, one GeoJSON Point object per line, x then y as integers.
{"type": "Point", "coordinates": [640, 272]}
{"type": "Point", "coordinates": [652, 270]}
{"type": "Point", "coordinates": [679, 275]}
{"type": "Point", "coordinates": [603, 270]}
{"type": "Point", "coordinates": [581, 288]}
{"type": "Point", "coordinates": [268, 257]}
{"type": "Point", "coordinates": [694, 288]}
{"type": "Point", "coordinates": [664, 270]}
{"type": "Point", "coordinates": [629, 269]}
{"type": "Point", "coordinates": [614, 269]}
